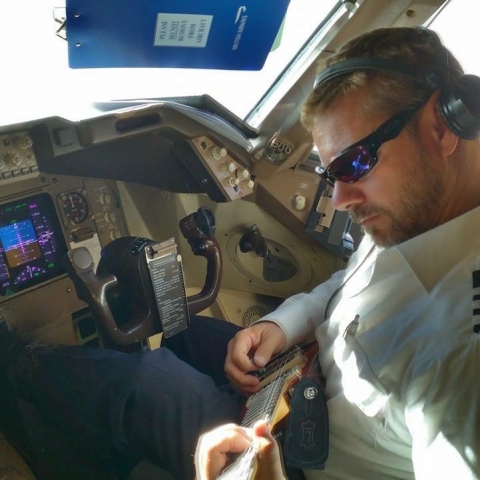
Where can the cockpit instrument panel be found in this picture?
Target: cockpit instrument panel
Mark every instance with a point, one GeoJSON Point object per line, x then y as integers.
{"type": "Point", "coordinates": [31, 243]}
{"type": "Point", "coordinates": [74, 207]}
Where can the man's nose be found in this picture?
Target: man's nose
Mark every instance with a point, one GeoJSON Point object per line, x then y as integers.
{"type": "Point", "coordinates": [346, 196]}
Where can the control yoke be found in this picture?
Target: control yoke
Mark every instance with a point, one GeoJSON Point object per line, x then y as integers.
{"type": "Point", "coordinates": [199, 229]}
{"type": "Point", "coordinates": [121, 295]}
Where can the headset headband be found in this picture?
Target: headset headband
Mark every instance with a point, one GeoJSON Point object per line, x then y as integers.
{"type": "Point", "coordinates": [459, 101]}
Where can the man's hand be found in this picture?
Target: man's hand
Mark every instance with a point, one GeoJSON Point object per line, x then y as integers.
{"type": "Point", "coordinates": [250, 350]}
{"type": "Point", "coordinates": [213, 447]}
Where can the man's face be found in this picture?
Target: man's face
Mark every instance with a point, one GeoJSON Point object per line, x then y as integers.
{"type": "Point", "coordinates": [402, 196]}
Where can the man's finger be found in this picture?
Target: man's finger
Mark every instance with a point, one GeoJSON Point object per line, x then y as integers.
{"type": "Point", "coordinates": [213, 447]}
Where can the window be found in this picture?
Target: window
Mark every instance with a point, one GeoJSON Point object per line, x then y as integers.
{"type": "Point", "coordinates": [37, 82]}
{"type": "Point", "coordinates": [457, 25]}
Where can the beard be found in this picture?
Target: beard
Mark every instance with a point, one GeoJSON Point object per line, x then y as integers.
{"type": "Point", "coordinates": [417, 207]}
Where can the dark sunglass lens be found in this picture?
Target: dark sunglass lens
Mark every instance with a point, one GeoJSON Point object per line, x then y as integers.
{"type": "Point", "coordinates": [351, 165]}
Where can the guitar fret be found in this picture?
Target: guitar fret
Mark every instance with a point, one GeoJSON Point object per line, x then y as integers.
{"type": "Point", "coordinates": [278, 362]}
{"type": "Point", "coordinates": [261, 405]}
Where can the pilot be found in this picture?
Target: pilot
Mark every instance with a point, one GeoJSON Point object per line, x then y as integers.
{"type": "Point", "coordinates": [396, 125]}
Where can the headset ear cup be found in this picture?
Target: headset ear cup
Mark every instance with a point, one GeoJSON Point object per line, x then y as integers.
{"type": "Point", "coordinates": [459, 106]}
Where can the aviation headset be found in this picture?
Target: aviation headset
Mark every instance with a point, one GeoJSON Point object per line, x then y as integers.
{"type": "Point", "coordinates": [459, 101]}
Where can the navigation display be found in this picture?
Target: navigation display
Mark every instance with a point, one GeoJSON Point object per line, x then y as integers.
{"type": "Point", "coordinates": [31, 243]}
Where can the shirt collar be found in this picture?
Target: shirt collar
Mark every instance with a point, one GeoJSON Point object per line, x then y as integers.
{"type": "Point", "coordinates": [434, 253]}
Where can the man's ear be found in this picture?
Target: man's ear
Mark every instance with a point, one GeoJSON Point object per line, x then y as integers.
{"type": "Point", "coordinates": [447, 140]}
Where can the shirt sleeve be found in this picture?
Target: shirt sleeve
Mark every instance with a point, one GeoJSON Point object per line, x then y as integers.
{"type": "Point", "coordinates": [443, 416]}
{"type": "Point", "coordinates": [299, 315]}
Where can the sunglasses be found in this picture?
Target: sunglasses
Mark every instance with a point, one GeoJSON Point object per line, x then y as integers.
{"type": "Point", "coordinates": [353, 163]}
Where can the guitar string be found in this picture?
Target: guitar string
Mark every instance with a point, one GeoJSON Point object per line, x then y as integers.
{"type": "Point", "coordinates": [249, 455]}
{"type": "Point", "coordinates": [271, 391]}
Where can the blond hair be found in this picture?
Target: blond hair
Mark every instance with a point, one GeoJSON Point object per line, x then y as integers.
{"type": "Point", "coordinates": [415, 48]}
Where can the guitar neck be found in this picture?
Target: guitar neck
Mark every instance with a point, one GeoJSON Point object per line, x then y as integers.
{"type": "Point", "coordinates": [265, 405]}
{"type": "Point", "coordinates": [260, 406]}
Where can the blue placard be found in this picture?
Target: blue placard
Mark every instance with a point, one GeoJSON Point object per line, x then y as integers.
{"type": "Point", "coordinates": [221, 34]}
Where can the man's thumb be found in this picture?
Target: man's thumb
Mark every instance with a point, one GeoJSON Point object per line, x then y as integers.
{"type": "Point", "coordinates": [263, 354]}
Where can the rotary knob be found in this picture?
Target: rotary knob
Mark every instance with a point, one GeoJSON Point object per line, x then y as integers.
{"type": "Point", "coordinates": [299, 202]}
{"type": "Point", "coordinates": [231, 167]}
{"type": "Point", "coordinates": [23, 142]}
{"type": "Point", "coordinates": [232, 181]}
{"type": "Point", "coordinates": [13, 159]}
{"type": "Point", "coordinates": [243, 173]}
{"type": "Point", "coordinates": [110, 217]}
{"type": "Point", "coordinates": [105, 198]}
{"type": "Point", "coordinates": [218, 153]}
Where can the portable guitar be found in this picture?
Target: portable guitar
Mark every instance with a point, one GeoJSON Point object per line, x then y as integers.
{"type": "Point", "coordinates": [278, 380]}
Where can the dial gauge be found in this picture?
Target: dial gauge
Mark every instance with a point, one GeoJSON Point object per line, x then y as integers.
{"type": "Point", "coordinates": [74, 206]}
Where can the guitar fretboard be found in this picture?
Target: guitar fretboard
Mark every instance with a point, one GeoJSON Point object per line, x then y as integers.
{"type": "Point", "coordinates": [261, 406]}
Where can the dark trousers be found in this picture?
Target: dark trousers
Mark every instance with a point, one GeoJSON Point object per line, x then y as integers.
{"type": "Point", "coordinates": [149, 404]}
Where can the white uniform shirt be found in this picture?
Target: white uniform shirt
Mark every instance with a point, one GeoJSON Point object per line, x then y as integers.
{"type": "Point", "coordinates": [400, 356]}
